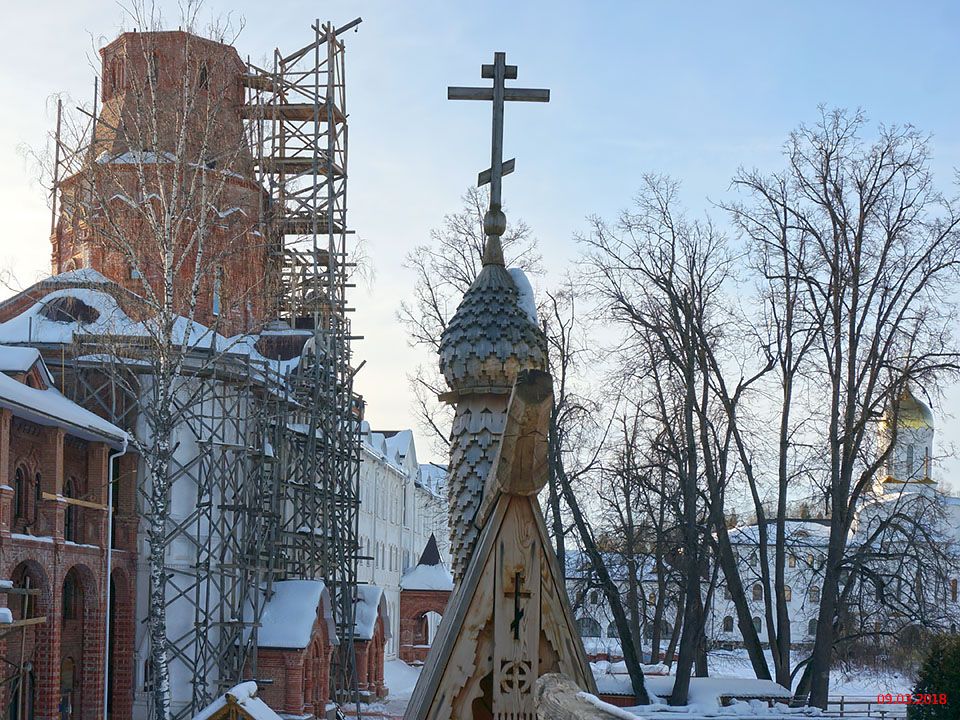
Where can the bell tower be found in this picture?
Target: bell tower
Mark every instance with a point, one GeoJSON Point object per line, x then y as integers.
{"type": "Point", "coordinates": [908, 466]}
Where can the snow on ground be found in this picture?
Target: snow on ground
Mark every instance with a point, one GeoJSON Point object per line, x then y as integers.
{"type": "Point", "coordinates": [400, 680]}
{"type": "Point", "coordinates": [736, 664]}
{"type": "Point", "coordinates": [730, 673]}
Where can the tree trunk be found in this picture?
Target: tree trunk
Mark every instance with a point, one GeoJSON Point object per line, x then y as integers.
{"type": "Point", "coordinates": [610, 590]}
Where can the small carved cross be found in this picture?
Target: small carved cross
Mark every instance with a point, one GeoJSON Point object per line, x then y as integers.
{"type": "Point", "coordinates": [498, 72]}
{"type": "Point", "coordinates": [518, 612]}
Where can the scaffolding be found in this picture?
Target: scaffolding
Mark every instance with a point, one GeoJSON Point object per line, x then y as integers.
{"type": "Point", "coordinates": [297, 119]}
{"type": "Point", "coordinates": [221, 534]}
{"type": "Point", "coordinates": [268, 449]}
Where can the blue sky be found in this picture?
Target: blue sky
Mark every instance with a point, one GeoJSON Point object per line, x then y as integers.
{"type": "Point", "coordinates": [691, 89]}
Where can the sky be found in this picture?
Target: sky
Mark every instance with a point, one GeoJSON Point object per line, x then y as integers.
{"type": "Point", "coordinates": [690, 89]}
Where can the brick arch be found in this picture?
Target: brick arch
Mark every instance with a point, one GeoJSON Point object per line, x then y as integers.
{"type": "Point", "coordinates": [316, 671]}
{"type": "Point", "coordinates": [414, 605]}
{"type": "Point", "coordinates": [122, 633]}
{"type": "Point", "coordinates": [26, 492]}
{"type": "Point", "coordinates": [36, 637]}
{"type": "Point", "coordinates": [81, 640]}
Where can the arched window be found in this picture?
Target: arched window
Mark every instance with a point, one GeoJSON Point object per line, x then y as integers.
{"type": "Point", "coordinates": [588, 627]}
{"type": "Point", "coordinates": [148, 674]}
{"type": "Point", "coordinates": [757, 624]}
{"type": "Point", "coordinates": [71, 597]}
{"type": "Point", "coordinates": [154, 67]}
{"type": "Point", "coordinates": [758, 592]}
{"type": "Point", "coordinates": [728, 624]}
{"type": "Point", "coordinates": [910, 468]}
{"type": "Point", "coordinates": [217, 290]}
{"type": "Point", "coordinates": [814, 594]}
{"type": "Point", "coordinates": [953, 589]}
{"type": "Point", "coordinates": [792, 561]}
{"type": "Point", "coordinates": [812, 626]}
{"type": "Point", "coordinates": [653, 598]}
{"type": "Point", "coordinates": [787, 593]}
{"type": "Point", "coordinates": [21, 489]}
{"type": "Point", "coordinates": [71, 517]}
{"type": "Point", "coordinates": [612, 631]}
{"type": "Point", "coordinates": [203, 79]}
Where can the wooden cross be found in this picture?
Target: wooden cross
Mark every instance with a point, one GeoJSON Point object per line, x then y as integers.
{"type": "Point", "coordinates": [518, 612]}
{"type": "Point", "coordinates": [499, 93]}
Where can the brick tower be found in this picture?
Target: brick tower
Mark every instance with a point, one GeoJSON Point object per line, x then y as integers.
{"type": "Point", "coordinates": [169, 134]}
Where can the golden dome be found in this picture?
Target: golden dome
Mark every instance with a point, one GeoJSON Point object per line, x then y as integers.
{"type": "Point", "coordinates": [913, 412]}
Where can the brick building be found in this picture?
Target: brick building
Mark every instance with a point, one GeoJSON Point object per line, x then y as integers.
{"type": "Point", "coordinates": [169, 157]}
{"type": "Point", "coordinates": [424, 592]}
{"type": "Point", "coordinates": [107, 269]}
{"type": "Point", "coordinates": [295, 642]}
{"type": "Point", "coordinates": [57, 460]}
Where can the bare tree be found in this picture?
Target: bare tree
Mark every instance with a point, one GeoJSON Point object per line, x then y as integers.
{"type": "Point", "coordinates": [165, 203]}
{"type": "Point", "coordinates": [872, 254]}
{"type": "Point", "coordinates": [576, 443]}
{"type": "Point", "coordinates": [659, 276]}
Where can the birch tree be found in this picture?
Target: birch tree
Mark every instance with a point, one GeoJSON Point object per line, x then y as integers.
{"type": "Point", "coordinates": [158, 203]}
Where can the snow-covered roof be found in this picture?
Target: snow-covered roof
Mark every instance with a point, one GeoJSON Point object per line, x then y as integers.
{"type": "Point", "coordinates": [17, 359]}
{"type": "Point", "coordinates": [400, 443]}
{"type": "Point", "coordinates": [80, 275]}
{"type": "Point", "coordinates": [370, 603]}
{"type": "Point", "coordinates": [525, 298]}
{"type": "Point", "coordinates": [50, 408]}
{"type": "Point", "coordinates": [390, 446]}
{"type": "Point", "coordinates": [427, 577]}
{"type": "Point", "coordinates": [429, 573]}
{"type": "Point", "coordinates": [291, 612]}
{"type": "Point", "coordinates": [811, 533]}
{"type": "Point", "coordinates": [245, 697]}
{"type": "Point", "coordinates": [33, 325]}
{"type": "Point", "coordinates": [6, 616]}
{"type": "Point", "coordinates": [433, 477]}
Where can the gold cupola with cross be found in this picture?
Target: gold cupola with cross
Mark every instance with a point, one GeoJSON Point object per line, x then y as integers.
{"type": "Point", "coordinates": [908, 426]}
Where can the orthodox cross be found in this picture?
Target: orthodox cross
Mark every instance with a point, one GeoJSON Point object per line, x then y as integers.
{"type": "Point", "coordinates": [494, 222]}
{"type": "Point", "coordinates": [518, 612]}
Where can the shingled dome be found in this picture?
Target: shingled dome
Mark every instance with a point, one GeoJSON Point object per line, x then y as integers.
{"type": "Point", "coordinates": [490, 338]}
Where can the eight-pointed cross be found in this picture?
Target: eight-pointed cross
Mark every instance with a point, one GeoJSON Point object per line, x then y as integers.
{"type": "Point", "coordinates": [499, 72]}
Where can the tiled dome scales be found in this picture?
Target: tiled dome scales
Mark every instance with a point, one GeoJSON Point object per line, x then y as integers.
{"type": "Point", "coordinates": [483, 349]}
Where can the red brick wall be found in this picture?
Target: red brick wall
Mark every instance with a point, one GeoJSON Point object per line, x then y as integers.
{"type": "Point", "coordinates": [300, 677]}
{"type": "Point", "coordinates": [414, 604]}
{"type": "Point", "coordinates": [232, 248]}
{"type": "Point", "coordinates": [49, 561]}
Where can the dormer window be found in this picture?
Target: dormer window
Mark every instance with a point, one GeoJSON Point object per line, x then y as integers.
{"type": "Point", "coordinates": [69, 309]}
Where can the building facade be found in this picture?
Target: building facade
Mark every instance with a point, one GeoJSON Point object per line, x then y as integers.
{"type": "Point", "coordinates": [63, 472]}
{"type": "Point", "coordinates": [913, 580]}
{"type": "Point", "coordinates": [401, 505]}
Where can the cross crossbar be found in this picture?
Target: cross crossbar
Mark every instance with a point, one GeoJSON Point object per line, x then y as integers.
{"type": "Point", "coordinates": [516, 94]}
{"type": "Point", "coordinates": [499, 71]}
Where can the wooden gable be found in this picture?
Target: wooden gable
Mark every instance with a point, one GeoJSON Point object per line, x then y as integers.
{"type": "Point", "coordinates": [509, 621]}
